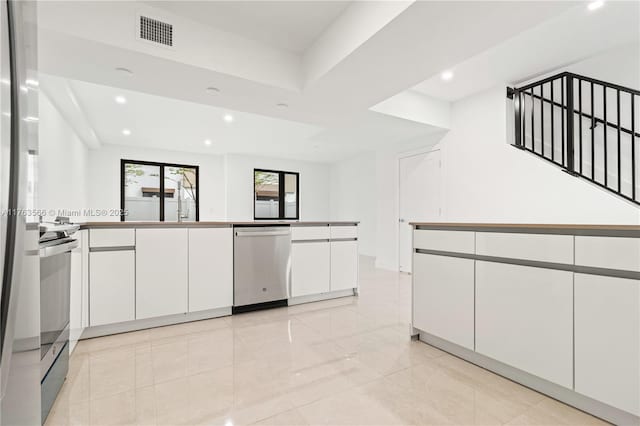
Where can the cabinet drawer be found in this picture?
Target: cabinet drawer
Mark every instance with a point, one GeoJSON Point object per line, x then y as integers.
{"type": "Point", "coordinates": [608, 252]}
{"type": "Point", "coordinates": [301, 233]}
{"type": "Point", "coordinates": [537, 247]}
{"type": "Point", "coordinates": [112, 237]}
{"type": "Point", "coordinates": [344, 232]}
{"type": "Point", "coordinates": [454, 241]}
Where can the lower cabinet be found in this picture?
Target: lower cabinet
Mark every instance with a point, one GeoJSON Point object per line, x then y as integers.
{"type": "Point", "coordinates": [607, 340]}
{"type": "Point", "coordinates": [210, 268]}
{"type": "Point", "coordinates": [344, 265]}
{"type": "Point", "coordinates": [310, 268]}
{"type": "Point", "coordinates": [161, 272]}
{"type": "Point", "coordinates": [112, 287]}
{"type": "Point", "coordinates": [443, 297]}
{"type": "Point", "coordinates": [524, 318]}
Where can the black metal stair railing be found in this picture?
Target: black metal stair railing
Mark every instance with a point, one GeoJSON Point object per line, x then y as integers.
{"type": "Point", "coordinates": [584, 125]}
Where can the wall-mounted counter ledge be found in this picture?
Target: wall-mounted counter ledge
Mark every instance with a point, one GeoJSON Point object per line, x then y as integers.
{"type": "Point", "coordinates": [210, 224]}
{"type": "Point", "coordinates": [535, 228]}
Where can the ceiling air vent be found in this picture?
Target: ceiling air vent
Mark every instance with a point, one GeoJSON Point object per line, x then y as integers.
{"type": "Point", "coordinates": [156, 31]}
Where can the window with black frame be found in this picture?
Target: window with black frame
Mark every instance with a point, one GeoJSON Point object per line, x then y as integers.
{"type": "Point", "coordinates": [162, 192]}
{"type": "Point", "coordinates": [276, 194]}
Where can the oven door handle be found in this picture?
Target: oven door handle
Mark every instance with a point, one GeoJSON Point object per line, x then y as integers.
{"type": "Point", "coordinates": [59, 249]}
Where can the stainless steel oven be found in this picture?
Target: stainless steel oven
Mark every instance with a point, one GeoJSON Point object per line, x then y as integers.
{"type": "Point", "coordinates": [56, 243]}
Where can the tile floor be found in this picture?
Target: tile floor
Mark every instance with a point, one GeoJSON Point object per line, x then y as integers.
{"type": "Point", "coordinates": [341, 362]}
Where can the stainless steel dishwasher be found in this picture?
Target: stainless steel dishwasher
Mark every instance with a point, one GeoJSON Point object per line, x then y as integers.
{"type": "Point", "coordinates": [261, 267]}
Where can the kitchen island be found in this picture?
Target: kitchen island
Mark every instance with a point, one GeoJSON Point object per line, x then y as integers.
{"type": "Point", "coordinates": [553, 307]}
{"type": "Point", "coordinates": [134, 275]}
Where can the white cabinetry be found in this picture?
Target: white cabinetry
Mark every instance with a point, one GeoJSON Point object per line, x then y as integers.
{"type": "Point", "coordinates": [78, 289]}
{"type": "Point", "coordinates": [210, 268]}
{"type": "Point", "coordinates": [607, 333]}
{"type": "Point", "coordinates": [443, 297]}
{"type": "Point", "coordinates": [344, 265]}
{"type": "Point", "coordinates": [524, 318]}
{"type": "Point", "coordinates": [161, 272]}
{"type": "Point", "coordinates": [112, 287]}
{"type": "Point", "coordinates": [310, 268]}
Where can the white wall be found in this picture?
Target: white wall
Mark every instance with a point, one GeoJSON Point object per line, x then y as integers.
{"type": "Point", "coordinates": [353, 197]}
{"type": "Point", "coordinates": [487, 180]}
{"type": "Point", "coordinates": [314, 185]}
{"type": "Point", "coordinates": [226, 182]}
{"type": "Point", "coordinates": [62, 163]}
{"type": "Point", "coordinates": [104, 177]}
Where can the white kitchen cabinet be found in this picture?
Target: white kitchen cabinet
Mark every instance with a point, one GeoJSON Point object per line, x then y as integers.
{"type": "Point", "coordinates": [453, 241]}
{"type": "Point", "coordinates": [524, 318]}
{"type": "Point", "coordinates": [112, 237]}
{"type": "Point", "coordinates": [608, 252]}
{"type": "Point", "coordinates": [343, 231]}
{"type": "Point", "coordinates": [607, 340]}
{"type": "Point", "coordinates": [161, 272]}
{"type": "Point", "coordinates": [443, 297]}
{"type": "Point", "coordinates": [310, 268]}
{"type": "Point", "coordinates": [77, 290]}
{"type": "Point", "coordinates": [344, 265]}
{"type": "Point", "coordinates": [111, 287]}
{"type": "Point", "coordinates": [537, 247]}
{"type": "Point", "coordinates": [210, 268]}
{"type": "Point", "coordinates": [299, 233]}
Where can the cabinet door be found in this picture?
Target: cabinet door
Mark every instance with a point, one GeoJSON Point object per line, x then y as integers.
{"type": "Point", "coordinates": [607, 333]}
{"type": "Point", "coordinates": [210, 268]}
{"type": "Point", "coordinates": [524, 318]}
{"type": "Point", "coordinates": [310, 270]}
{"type": "Point", "coordinates": [344, 265]}
{"type": "Point", "coordinates": [443, 297]}
{"type": "Point", "coordinates": [111, 287]}
{"type": "Point", "coordinates": [161, 272]}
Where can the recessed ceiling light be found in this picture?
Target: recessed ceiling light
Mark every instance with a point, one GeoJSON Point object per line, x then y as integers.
{"type": "Point", "coordinates": [121, 99]}
{"type": "Point", "coordinates": [446, 75]}
{"type": "Point", "coordinates": [228, 118]}
{"type": "Point", "coordinates": [282, 105]}
{"type": "Point", "coordinates": [125, 71]}
{"type": "Point", "coordinates": [595, 5]}
{"type": "Point", "coordinates": [207, 142]}
{"type": "Point", "coordinates": [212, 90]}
{"type": "Point", "coordinates": [126, 132]}
{"type": "Point", "coordinates": [31, 119]}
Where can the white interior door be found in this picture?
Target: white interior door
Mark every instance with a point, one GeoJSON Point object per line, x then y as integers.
{"type": "Point", "coordinates": [420, 197]}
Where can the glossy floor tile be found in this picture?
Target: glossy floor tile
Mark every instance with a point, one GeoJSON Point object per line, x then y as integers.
{"type": "Point", "coordinates": [346, 361]}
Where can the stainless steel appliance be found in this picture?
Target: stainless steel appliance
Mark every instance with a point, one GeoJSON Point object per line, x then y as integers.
{"type": "Point", "coordinates": [19, 263]}
{"type": "Point", "coordinates": [56, 243]}
{"type": "Point", "coordinates": [261, 267]}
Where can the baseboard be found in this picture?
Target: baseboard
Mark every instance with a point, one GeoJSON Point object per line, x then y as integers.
{"type": "Point", "coordinates": [125, 327]}
{"type": "Point", "coordinates": [322, 296]}
{"type": "Point", "coordinates": [562, 394]}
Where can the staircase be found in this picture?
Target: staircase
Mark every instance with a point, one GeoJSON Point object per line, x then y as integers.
{"type": "Point", "coordinates": [587, 127]}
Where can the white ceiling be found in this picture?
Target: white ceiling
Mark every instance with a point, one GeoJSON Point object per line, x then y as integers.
{"type": "Point", "coordinates": [172, 124]}
{"type": "Point", "coordinates": [572, 36]}
{"type": "Point", "coordinates": [287, 25]}
{"type": "Point", "coordinates": [368, 54]}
